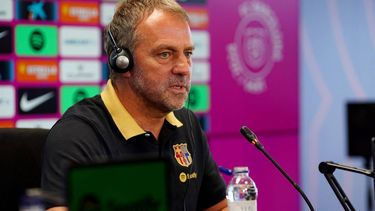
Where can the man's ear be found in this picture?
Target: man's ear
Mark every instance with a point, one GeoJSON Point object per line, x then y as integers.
{"type": "Point", "coordinates": [127, 74]}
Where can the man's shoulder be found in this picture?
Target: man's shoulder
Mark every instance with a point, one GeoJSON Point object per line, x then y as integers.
{"type": "Point", "coordinates": [90, 112]}
{"type": "Point", "coordinates": [188, 118]}
{"type": "Point", "coordinates": [89, 108]}
{"type": "Point", "coordinates": [183, 114]}
{"type": "Point", "coordinates": [85, 119]}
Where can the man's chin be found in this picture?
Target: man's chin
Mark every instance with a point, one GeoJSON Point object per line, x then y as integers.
{"type": "Point", "coordinates": [176, 107]}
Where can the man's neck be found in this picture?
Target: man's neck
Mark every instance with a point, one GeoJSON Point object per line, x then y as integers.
{"type": "Point", "coordinates": [148, 118]}
{"type": "Point", "coordinates": [150, 123]}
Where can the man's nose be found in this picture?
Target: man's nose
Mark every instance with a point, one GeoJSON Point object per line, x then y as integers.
{"type": "Point", "coordinates": [182, 65]}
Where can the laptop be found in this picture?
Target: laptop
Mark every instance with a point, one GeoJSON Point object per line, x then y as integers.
{"type": "Point", "coordinates": [119, 185]}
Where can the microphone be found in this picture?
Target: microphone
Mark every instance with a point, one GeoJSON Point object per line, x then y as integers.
{"type": "Point", "coordinates": [251, 137]}
{"type": "Point", "coordinates": [328, 167]}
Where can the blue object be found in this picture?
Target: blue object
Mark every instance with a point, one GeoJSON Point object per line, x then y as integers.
{"type": "Point", "coordinates": [226, 171]}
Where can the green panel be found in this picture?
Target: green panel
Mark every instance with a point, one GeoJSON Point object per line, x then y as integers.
{"type": "Point", "coordinates": [36, 40]}
{"type": "Point", "coordinates": [199, 98]}
{"type": "Point", "coordinates": [72, 94]}
{"type": "Point", "coordinates": [111, 187]}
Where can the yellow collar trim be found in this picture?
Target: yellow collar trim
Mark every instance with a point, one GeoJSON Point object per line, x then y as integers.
{"type": "Point", "coordinates": [123, 120]}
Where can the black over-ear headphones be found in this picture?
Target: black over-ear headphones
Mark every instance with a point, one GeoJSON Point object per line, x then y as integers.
{"type": "Point", "coordinates": [120, 60]}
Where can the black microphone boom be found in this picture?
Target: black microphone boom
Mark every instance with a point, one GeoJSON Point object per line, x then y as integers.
{"type": "Point", "coordinates": [251, 137]}
{"type": "Point", "coordinates": [328, 167]}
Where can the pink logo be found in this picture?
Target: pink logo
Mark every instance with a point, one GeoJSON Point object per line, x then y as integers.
{"type": "Point", "coordinates": [257, 46]}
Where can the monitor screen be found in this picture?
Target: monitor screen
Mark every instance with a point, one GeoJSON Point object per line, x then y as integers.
{"type": "Point", "coordinates": [361, 128]}
{"type": "Point", "coordinates": [126, 185]}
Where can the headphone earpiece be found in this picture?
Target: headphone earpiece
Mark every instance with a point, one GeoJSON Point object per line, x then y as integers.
{"type": "Point", "coordinates": [120, 60]}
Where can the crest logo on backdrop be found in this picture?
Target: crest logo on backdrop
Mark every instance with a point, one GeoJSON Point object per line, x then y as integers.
{"type": "Point", "coordinates": [256, 47]}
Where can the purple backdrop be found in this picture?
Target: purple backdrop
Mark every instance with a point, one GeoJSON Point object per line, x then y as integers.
{"type": "Point", "coordinates": [275, 192]}
{"type": "Point", "coordinates": [254, 82]}
{"type": "Point", "coordinates": [276, 106]}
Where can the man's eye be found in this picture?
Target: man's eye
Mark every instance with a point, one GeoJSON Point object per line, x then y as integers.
{"type": "Point", "coordinates": [188, 54]}
{"type": "Point", "coordinates": [164, 55]}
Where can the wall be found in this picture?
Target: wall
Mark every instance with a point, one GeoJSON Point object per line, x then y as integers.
{"type": "Point", "coordinates": [245, 73]}
{"type": "Point", "coordinates": [336, 66]}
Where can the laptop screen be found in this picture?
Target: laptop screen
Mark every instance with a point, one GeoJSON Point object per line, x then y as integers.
{"type": "Point", "coordinates": [125, 185]}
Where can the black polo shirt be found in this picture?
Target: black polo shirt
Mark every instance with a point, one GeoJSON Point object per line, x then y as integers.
{"type": "Point", "coordinates": [100, 128]}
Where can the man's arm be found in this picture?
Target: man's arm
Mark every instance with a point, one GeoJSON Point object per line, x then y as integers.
{"type": "Point", "coordinates": [221, 206]}
{"type": "Point", "coordinates": [58, 209]}
{"type": "Point", "coordinates": [64, 148]}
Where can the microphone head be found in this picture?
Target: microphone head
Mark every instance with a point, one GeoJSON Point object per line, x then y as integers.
{"type": "Point", "coordinates": [245, 131]}
{"type": "Point", "coordinates": [251, 137]}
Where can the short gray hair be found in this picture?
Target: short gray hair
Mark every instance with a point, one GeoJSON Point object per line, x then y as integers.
{"type": "Point", "coordinates": [128, 14]}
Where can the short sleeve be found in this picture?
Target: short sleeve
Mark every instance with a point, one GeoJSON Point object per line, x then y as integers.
{"type": "Point", "coordinates": [69, 142]}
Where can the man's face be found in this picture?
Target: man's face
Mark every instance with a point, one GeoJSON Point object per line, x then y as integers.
{"type": "Point", "coordinates": [161, 76]}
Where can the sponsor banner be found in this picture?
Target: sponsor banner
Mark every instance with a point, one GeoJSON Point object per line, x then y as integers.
{"type": "Point", "coordinates": [36, 123]}
{"type": "Point", "coordinates": [105, 71]}
{"type": "Point", "coordinates": [6, 10]}
{"type": "Point", "coordinates": [198, 17]}
{"type": "Point", "coordinates": [255, 65]}
{"type": "Point", "coordinates": [33, 100]}
{"type": "Point", "coordinates": [36, 40]}
{"type": "Point", "coordinates": [7, 102]}
{"type": "Point", "coordinates": [6, 71]}
{"type": "Point", "coordinates": [6, 40]}
{"type": "Point", "coordinates": [80, 71]}
{"type": "Point", "coordinates": [201, 40]}
{"type": "Point", "coordinates": [192, 1]}
{"type": "Point", "coordinates": [6, 123]}
{"type": "Point", "coordinates": [200, 72]}
{"type": "Point", "coordinates": [36, 70]}
{"type": "Point", "coordinates": [79, 12]}
{"type": "Point", "coordinates": [70, 95]}
{"type": "Point", "coordinates": [102, 45]}
{"type": "Point", "coordinates": [73, 44]}
{"type": "Point", "coordinates": [36, 10]}
{"type": "Point", "coordinates": [203, 121]}
{"type": "Point", "coordinates": [199, 98]}
{"type": "Point", "coordinates": [106, 12]}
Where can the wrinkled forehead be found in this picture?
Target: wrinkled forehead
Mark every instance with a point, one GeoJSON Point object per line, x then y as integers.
{"type": "Point", "coordinates": [163, 24]}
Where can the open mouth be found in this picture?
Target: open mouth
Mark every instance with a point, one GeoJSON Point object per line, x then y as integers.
{"type": "Point", "coordinates": [178, 87]}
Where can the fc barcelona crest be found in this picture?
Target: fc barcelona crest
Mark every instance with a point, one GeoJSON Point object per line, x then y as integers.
{"type": "Point", "coordinates": [182, 154]}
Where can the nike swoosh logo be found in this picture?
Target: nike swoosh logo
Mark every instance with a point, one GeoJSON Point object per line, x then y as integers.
{"type": "Point", "coordinates": [3, 34]}
{"type": "Point", "coordinates": [28, 105]}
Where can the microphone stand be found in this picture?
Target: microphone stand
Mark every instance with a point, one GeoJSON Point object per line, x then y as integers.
{"type": "Point", "coordinates": [327, 168]}
{"type": "Point", "coordinates": [251, 137]}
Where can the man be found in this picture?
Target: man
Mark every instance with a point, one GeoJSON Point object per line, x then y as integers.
{"type": "Point", "coordinates": [140, 111]}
